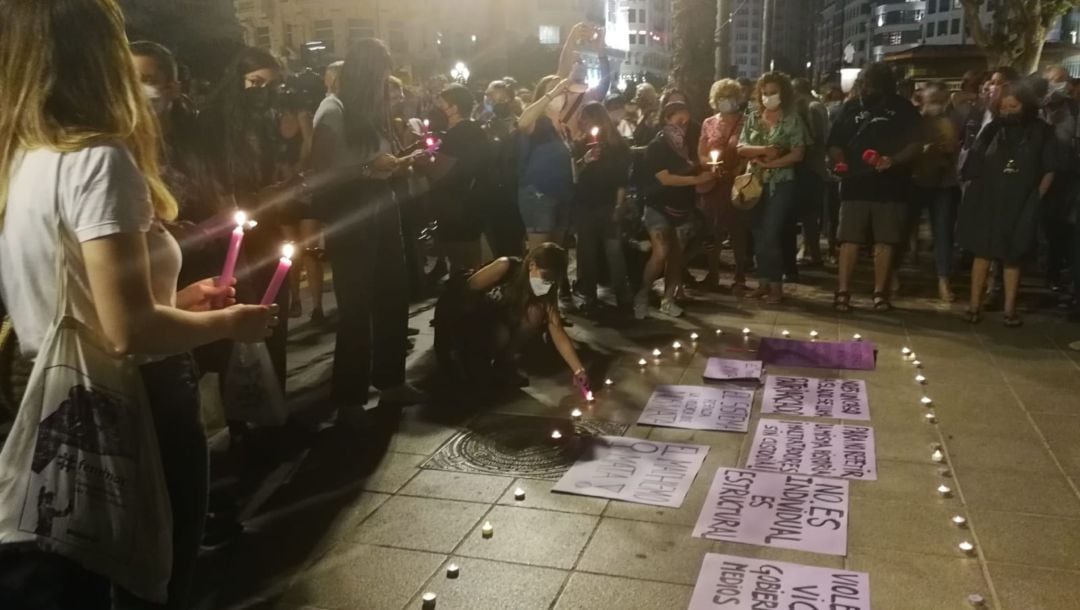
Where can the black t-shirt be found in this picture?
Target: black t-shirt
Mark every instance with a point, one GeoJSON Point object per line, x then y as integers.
{"type": "Point", "coordinates": [599, 181]}
{"type": "Point", "coordinates": [458, 195]}
{"type": "Point", "coordinates": [673, 201]}
{"type": "Point", "coordinates": [888, 127]}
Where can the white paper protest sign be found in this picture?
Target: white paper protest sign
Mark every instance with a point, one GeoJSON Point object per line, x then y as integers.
{"type": "Point", "coordinates": [806, 447]}
{"type": "Point", "coordinates": [721, 369]}
{"type": "Point", "coordinates": [726, 581]}
{"type": "Point", "coordinates": [789, 511]}
{"type": "Point", "coordinates": [839, 398]}
{"type": "Point", "coordinates": [634, 470]}
{"type": "Point", "coordinates": [699, 408]}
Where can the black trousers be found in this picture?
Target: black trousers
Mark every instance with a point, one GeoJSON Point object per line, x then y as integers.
{"type": "Point", "coordinates": [364, 245]}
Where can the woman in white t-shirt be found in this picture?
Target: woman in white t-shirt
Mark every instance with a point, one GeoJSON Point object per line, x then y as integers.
{"type": "Point", "coordinates": [78, 148]}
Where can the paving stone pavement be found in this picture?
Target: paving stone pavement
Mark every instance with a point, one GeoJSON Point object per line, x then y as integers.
{"type": "Point", "coordinates": [357, 522]}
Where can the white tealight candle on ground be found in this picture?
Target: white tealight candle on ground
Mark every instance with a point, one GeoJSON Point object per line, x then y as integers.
{"type": "Point", "coordinates": [676, 346]}
{"type": "Point", "coordinates": [926, 400]}
{"type": "Point", "coordinates": [656, 353]}
{"type": "Point", "coordinates": [857, 337]}
{"type": "Point", "coordinates": [428, 600]}
{"type": "Point", "coordinates": [937, 456]}
{"type": "Point", "coordinates": [930, 418]}
{"type": "Point", "coordinates": [556, 435]}
{"type": "Point", "coordinates": [487, 530]}
{"type": "Point", "coordinates": [642, 362]}
{"type": "Point", "coordinates": [719, 332]}
{"type": "Point", "coordinates": [966, 547]}
{"type": "Point", "coordinates": [975, 600]}
{"type": "Point", "coordinates": [519, 494]}
{"type": "Point", "coordinates": [959, 521]}
{"type": "Point", "coordinates": [920, 378]}
{"type": "Point", "coordinates": [589, 396]}
{"type": "Point", "coordinates": [694, 336]}
{"type": "Point", "coordinates": [575, 414]}
{"type": "Point", "coordinates": [916, 363]}
{"type": "Point", "coordinates": [785, 333]}
{"type": "Point", "coordinates": [452, 570]}
{"type": "Point", "coordinates": [944, 491]}
{"type": "Point", "coordinates": [906, 351]}
{"type": "Point", "coordinates": [608, 382]}
{"type": "Point", "coordinates": [746, 331]}
{"type": "Point", "coordinates": [813, 334]}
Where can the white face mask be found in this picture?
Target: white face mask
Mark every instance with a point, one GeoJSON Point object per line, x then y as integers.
{"type": "Point", "coordinates": [727, 106]}
{"type": "Point", "coordinates": [158, 103]}
{"type": "Point", "coordinates": [771, 102]}
{"type": "Point", "coordinates": [556, 105]}
{"type": "Point", "coordinates": [540, 286]}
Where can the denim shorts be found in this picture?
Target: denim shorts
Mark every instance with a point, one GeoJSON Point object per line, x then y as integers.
{"type": "Point", "coordinates": [539, 212]}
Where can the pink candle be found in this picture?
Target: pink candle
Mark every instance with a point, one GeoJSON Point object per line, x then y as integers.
{"type": "Point", "coordinates": [229, 270]}
{"type": "Point", "coordinates": [284, 264]}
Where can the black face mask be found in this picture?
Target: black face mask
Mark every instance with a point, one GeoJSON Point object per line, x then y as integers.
{"type": "Point", "coordinates": [438, 120]}
{"type": "Point", "coordinates": [502, 110]}
{"type": "Point", "coordinates": [1011, 119]}
{"type": "Point", "coordinates": [257, 99]}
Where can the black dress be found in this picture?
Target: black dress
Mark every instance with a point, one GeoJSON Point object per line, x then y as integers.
{"type": "Point", "coordinates": [999, 216]}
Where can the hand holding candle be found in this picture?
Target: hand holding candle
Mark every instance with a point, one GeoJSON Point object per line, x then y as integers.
{"type": "Point", "coordinates": [871, 157]}
{"type": "Point", "coordinates": [284, 264]}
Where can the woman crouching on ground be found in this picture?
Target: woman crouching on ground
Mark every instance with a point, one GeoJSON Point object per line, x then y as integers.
{"type": "Point", "coordinates": [482, 321]}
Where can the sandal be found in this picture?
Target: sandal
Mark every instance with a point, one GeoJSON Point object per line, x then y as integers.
{"type": "Point", "coordinates": [881, 302]}
{"type": "Point", "coordinates": [1012, 320]}
{"type": "Point", "coordinates": [842, 301]}
{"type": "Point", "coordinates": [972, 317]}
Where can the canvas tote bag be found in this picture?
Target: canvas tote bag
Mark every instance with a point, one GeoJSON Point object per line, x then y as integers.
{"type": "Point", "coordinates": [80, 473]}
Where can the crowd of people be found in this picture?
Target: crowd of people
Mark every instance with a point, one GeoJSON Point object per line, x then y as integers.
{"type": "Point", "coordinates": [110, 170]}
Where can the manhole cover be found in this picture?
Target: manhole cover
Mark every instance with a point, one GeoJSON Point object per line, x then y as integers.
{"type": "Point", "coordinates": [518, 446]}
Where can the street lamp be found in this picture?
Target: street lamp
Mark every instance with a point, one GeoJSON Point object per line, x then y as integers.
{"type": "Point", "coordinates": [460, 72]}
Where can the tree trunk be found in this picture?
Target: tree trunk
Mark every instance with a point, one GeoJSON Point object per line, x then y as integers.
{"type": "Point", "coordinates": [692, 65]}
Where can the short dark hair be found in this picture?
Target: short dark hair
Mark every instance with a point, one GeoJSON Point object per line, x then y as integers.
{"type": "Point", "coordinates": [802, 86]}
{"type": "Point", "coordinates": [460, 97]}
{"type": "Point", "coordinates": [879, 77]}
{"type": "Point", "coordinates": [157, 52]}
{"type": "Point", "coordinates": [671, 109]}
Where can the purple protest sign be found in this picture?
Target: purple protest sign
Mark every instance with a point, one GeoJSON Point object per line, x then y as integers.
{"type": "Point", "coordinates": [726, 581]}
{"type": "Point", "coordinates": [856, 355]}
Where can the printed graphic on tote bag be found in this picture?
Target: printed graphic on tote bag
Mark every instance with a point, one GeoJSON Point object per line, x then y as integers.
{"type": "Point", "coordinates": [82, 464]}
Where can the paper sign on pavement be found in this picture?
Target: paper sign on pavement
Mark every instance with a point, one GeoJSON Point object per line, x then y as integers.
{"type": "Point", "coordinates": [634, 470]}
{"type": "Point", "coordinates": [806, 447]}
{"type": "Point", "coordinates": [726, 581]}
{"type": "Point", "coordinates": [699, 408]}
{"type": "Point", "coordinates": [789, 511]}
{"type": "Point", "coordinates": [722, 369]}
{"type": "Point", "coordinates": [857, 355]}
{"type": "Point", "coordinates": [839, 398]}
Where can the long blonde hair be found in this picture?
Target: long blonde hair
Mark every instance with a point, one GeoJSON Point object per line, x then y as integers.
{"type": "Point", "coordinates": [67, 82]}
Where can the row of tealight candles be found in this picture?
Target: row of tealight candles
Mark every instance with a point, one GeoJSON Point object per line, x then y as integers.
{"type": "Point", "coordinates": [937, 455]}
{"type": "Point", "coordinates": [228, 272]}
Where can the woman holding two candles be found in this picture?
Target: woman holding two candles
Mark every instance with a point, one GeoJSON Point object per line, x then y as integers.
{"type": "Point", "coordinates": [718, 150]}
{"type": "Point", "coordinates": [773, 140]}
{"type": "Point", "coordinates": [80, 185]}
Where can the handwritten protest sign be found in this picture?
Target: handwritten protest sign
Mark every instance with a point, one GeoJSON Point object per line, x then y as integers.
{"type": "Point", "coordinates": [726, 581]}
{"type": "Point", "coordinates": [857, 355]}
{"type": "Point", "coordinates": [635, 470]}
{"type": "Point", "coordinates": [722, 369]}
{"type": "Point", "coordinates": [840, 398]}
{"type": "Point", "coordinates": [789, 511]}
{"type": "Point", "coordinates": [826, 450]}
{"type": "Point", "coordinates": [699, 408]}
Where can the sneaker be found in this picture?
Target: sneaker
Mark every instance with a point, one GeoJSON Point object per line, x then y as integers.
{"type": "Point", "coordinates": [641, 306]}
{"type": "Point", "coordinates": [670, 308]}
{"type": "Point", "coordinates": [404, 394]}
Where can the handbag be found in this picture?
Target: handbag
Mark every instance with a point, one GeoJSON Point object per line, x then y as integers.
{"type": "Point", "coordinates": [251, 391]}
{"type": "Point", "coordinates": [80, 472]}
{"type": "Point", "coordinates": [747, 191]}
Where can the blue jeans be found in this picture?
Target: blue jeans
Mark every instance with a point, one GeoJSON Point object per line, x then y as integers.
{"type": "Point", "coordinates": [769, 219]}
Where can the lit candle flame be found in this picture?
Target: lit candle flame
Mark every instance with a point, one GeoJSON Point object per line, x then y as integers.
{"type": "Point", "coordinates": [714, 155]}
{"type": "Point", "coordinates": [288, 250]}
{"type": "Point", "coordinates": [656, 353]}
{"type": "Point", "coordinates": [556, 435]}
{"type": "Point", "coordinates": [240, 218]}
{"type": "Point", "coordinates": [694, 336]}
{"type": "Point", "coordinates": [594, 132]}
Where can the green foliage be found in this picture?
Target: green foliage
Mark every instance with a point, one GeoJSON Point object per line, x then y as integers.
{"type": "Point", "coordinates": [1017, 31]}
